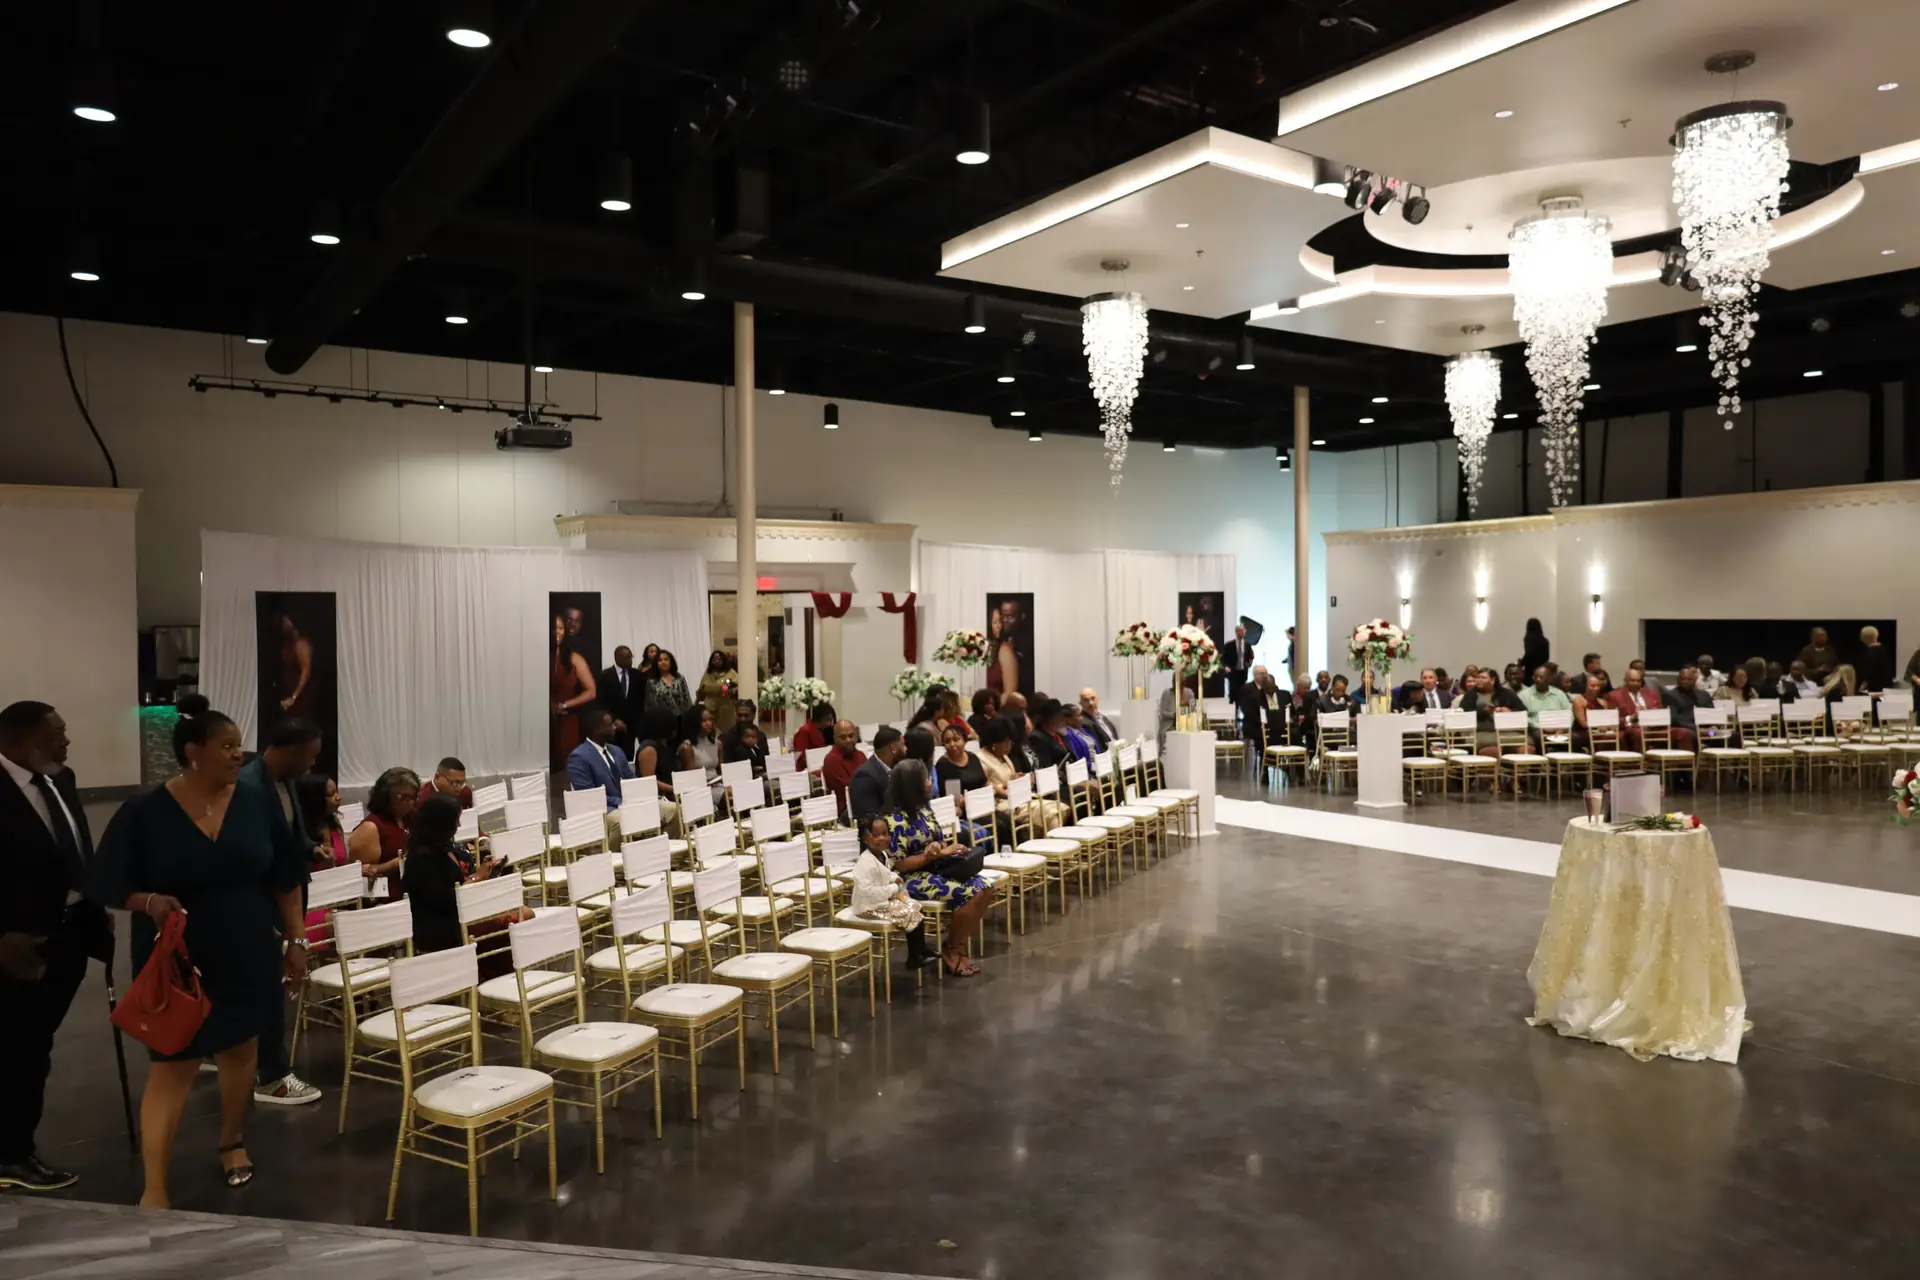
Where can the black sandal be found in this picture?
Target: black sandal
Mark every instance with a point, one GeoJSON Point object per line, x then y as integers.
{"type": "Point", "coordinates": [965, 969]}
{"type": "Point", "coordinates": [241, 1174]}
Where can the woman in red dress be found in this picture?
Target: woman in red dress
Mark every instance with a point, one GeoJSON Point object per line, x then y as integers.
{"type": "Point", "coordinates": [380, 843]}
{"type": "Point", "coordinates": [570, 685]}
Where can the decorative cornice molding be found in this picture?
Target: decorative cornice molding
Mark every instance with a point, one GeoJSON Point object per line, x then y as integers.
{"type": "Point", "coordinates": [1434, 532]}
{"type": "Point", "coordinates": [70, 496]}
{"type": "Point", "coordinates": [712, 527]}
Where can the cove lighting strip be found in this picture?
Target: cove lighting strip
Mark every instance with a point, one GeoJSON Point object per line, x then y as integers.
{"type": "Point", "coordinates": [1900, 153]}
{"type": "Point", "coordinates": [1232, 151]}
{"type": "Point", "coordinates": [1456, 47]}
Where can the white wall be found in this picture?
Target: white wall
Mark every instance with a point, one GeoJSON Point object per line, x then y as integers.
{"type": "Point", "coordinates": [67, 629]}
{"type": "Point", "coordinates": [309, 468]}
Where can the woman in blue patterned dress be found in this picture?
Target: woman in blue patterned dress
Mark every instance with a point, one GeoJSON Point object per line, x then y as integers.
{"type": "Point", "coordinates": [916, 843]}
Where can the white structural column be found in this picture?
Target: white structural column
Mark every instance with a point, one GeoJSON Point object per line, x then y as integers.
{"type": "Point", "coordinates": [1302, 543]}
{"type": "Point", "coordinates": [747, 620]}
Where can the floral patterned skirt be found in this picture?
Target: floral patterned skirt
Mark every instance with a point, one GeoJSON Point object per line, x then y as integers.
{"type": "Point", "coordinates": [928, 887]}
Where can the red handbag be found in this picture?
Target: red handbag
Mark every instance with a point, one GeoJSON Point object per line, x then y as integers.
{"type": "Point", "coordinates": [166, 1005]}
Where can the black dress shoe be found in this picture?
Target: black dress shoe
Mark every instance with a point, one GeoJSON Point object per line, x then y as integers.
{"type": "Point", "coordinates": [31, 1175]}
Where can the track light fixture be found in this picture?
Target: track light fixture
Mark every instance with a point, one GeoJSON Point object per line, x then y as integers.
{"type": "Point", "coordinates": [469, 23]}
{"type": "Point", "coordinates": [616, 182]}
{"type": "Point", "coordinates": [456, 308]}
{"type": "Point", "coordinates": [693, 280]}
{"type": "Point", "coordinates": [1033, 435]}
{"type": "Point", "coordinates": [83, 260]}
{"type": "Point", "coordinates": [976, 314]}
{"type": "Point", "coordinates": [1359, 183]}
{"type": "Point", "coordinates": [976, 134]}
{"type": "Point", "coordinates": [777, 382]}
{"type": "Point", "coordinates": [1245, 362]}
{"type": "Point", "coordinates": [1415, 207]}
{"type": "Point", "coordinates": [92, 97]}
{"type": "Point", "coordinates": [1167, 447]}
{"type": "Point", "coordinates": [1383, 197]}
{"type": "Point", "coordinates": [1009, 371]}
{"type": "Point", "coordinates": [323, 224]}
{"type": "Point", "coordinates": [830, 417]}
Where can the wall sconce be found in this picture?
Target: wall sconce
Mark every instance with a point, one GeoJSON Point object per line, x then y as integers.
{"type": "Point", "coordinates": [1479, 613]}
{"type": "Point", "coordinates": [1596, 608]}
{"type": "Point", "coordinates": [1406, 612]}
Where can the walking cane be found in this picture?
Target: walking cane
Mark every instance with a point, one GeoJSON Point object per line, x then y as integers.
{"type": "Point", "coordinates": [120, 1056]}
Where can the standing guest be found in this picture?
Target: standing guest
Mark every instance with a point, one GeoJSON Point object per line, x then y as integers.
{"type": "Point", "coordinates": [956, 766]}
{"type": "Point", "coordinates": [656, 755]}
{"type": "Point", "coordinates": [1237, 654]}
{"type": "Point", "coordinates": [1683, 699]}
{"type": "Point", "coordinates": [621, 695]}
{"type": "Point", "coordinates": [320, 815]}
{"type": "Point", "coordinates": [1533, 653]}
{"type": "Point", "coordinates": [1912, 676]}
{"type": "Point", "coordinates": [1630, 699]}
{"type": "Point", "coordinates": [668, 691]}
{"type": "Point", "coordinates": [1591, 665]}
{"type": "Point", "coordinates": [205, 846]}
{"type": "Point", "coordinates": [719, 686]}
{"type": "Point", "coordinates": [449, 779]}
{"type": "Point", "coordinates": [380, 843]}
{"type": "Point", "coordinates": [986, 705]}
{"type": "Point", "coordinates": [649, 666]}
{"type": "Point", "coordinates": [1819, 657]}
{"type": "Point", "coordinates": [1843, 683]}
{"type": "Point", "coordinates": [293, 746]}
{"type": "Point", "coordinates": [1097, 722]}
{"type": "Point", "coordinates": [845, 757]}
{"type": "Point", "coordinates": [436, 867]}
{"type": "Point", "coordinates": [699, 747]}
{"type": "Point", "coordinates": [49, 926]}
{"type": "Point", "coordinates": [1875, 668]}
{"type": "Point", "coordinates": [597, 762]}
{"type": "Point", "coordinates": [817, 732]}
{"type": "Point", "coordinates": [1593, 697]}
{"type": "Point", "coordinates": [1483, 700]}
{"type": "Point", "coordinates": [867, 788]}
{"type": "Point", "coordinates": [918, 849]}
{"type": "Point", "coordinates": [1737, 688]}
{"type": "Point", "coordinates": [743, 740]}
{"type": "Point", "coordinates": [570, 684]}
{"type": "Point", "coordinates": [1540, 696]}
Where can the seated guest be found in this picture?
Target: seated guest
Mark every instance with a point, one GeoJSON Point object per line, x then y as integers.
{"type": "Point", "coordinates": [1080, 743]}
{"type": "Point", "coordinates": [1542, 696]}
{"type": "Point", "coordinates": [986, 705]}
{"type": "Point", "coordinates": [1798, 684]}
{"type": "Point", "coordinates": [1335, 698]}
{"type": "Point", "coordinates": [667, 690]}
{"type": "Point", "coordinates": [996, 759]}
{"type": "Point", "coordinates": [1683, 699]}
{"type": "Point", "coordinates": [320, 812]}
{"type": "Point", "coordinates": [1431, 693]}
{"type": "Point", "coordinates": [931, 704]}
{"type": "Point", "coordinates": [1591, 666]}
{"type": "Point", "coordinates": [1169, 715]}
{"type": "Point", "coordinates": [1015, 714]}
{"type": "Point", "coordinates": [926, 858]}
{"type": "Point", "coordinates": [1875, 669]}
{"type": "Point", "coordinates": [1819, 658]}
{"type": "Point", "coordinates": [919, 742]}
{"type": "Point", "coordinates": [956, 766]}
{"type": "Point", "coordinates": [1096, 721]}
{"type": "Point", "coordinates": [1764, 677]}
{"type": "Point", "coordinates": [1443, 682]}
{"type": "Point", "coordinates": [656, 755]}
{"type": "Point", "coordinates": [436, 866]}
{"type": "Point", "coordinates": [1468, 682]}
{"type": "Point", "coordinates": [698, 747]}
{"type": "Point", "coordinates": [1515, 678]}
{"type": "Point", "coordinates": [449, 779]}
{"type": "Point", "coordinates": [1046, 744]}
{"type": "Point", "coordinates": [845, 757]}
{"type": "Point", "coordinates": [1483, 700]}
{"type": "Point", "coordinates": [1305, 714]}
{"type": "Point", "coordinates": [380, 843]}
{"type": "Point", "coordinates": [1322, 683]}
{"type": "Point", "coordinates": [742, 741]}
{"type": "Point", "coordinates": [867, 787]}
{"type": "Point", "coordinates": [1710, 679]}
{"type": "Point", "coordinates": [1738, 687]}
{"type": "Point", "coordinates": [890, 902]}
{"type": "Point", "coordinates": [1592, 697]}
{"type": "Point", "coordinates": [950, 713]}
{"type": "Point", "coordinates": [1630, 699]}
{"type": "Point", "coordinates": [817, 732]}
{"type": "Point", "coordinates": [1264, 709]}
{"type": "Point", "coordinates": [596, 762]}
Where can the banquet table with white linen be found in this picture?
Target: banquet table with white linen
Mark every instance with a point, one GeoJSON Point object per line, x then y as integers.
{"type": "Point", "coordinates": [1637, 950]}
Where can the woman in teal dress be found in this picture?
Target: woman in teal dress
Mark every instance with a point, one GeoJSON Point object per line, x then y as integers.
{"type": "Point", "coordinates": [205, 845]}
{"type": "Point", "coordinates": [916, 843]}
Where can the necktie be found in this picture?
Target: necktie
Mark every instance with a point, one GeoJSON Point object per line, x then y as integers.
{"type": "Point", "coordinates": [76, 866]}
{"type": "Point", "coordinates": [608, 757]}
{"type": "Point", "coordinates": [623, 682]}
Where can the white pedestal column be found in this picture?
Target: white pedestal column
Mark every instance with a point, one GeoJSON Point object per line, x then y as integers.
{"type": "Point", "coordinates": [1190, 766]}
{"type": "Point", "coordinates": [1380, 756]}
{"type": "Point", "coordinates": [1139, 719]}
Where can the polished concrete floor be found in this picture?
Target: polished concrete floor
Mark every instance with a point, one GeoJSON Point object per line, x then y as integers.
{"type": "Point", "coordinates": [1267, 1056]}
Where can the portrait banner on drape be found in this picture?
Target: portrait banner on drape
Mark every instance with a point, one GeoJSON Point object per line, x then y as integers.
{"type": "Point", "coordinates": [573, 632]}
{"type": "Point", "coordinates": [1207, 611]}
{"type": "Point", "coordinates": [298, 675]}
{"type": "Point", "coordinates": [1010, 646]}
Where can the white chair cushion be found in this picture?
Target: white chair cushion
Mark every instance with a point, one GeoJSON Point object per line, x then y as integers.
{"type": "Point", "coordinates": [1817, 751]}
{"type": "Point", "coordinates": [474, 1091]}
{"type": "Point", "coordinates": [368, 971]}
{"type": "Point", "coordinates": [1134, 811]}
{"type": "Point", "coordinates": [993, 876]}
{"type": "Point", "coordinates": [552, 875]}
{"type": "Point", "coordinates": [687, 933]}
{"type": "Point", "coordinates": [1669, 753]}
{"type": "Point", "coordinates": [825, 942]}
{"type": "Point", "coordinates": [1077, 832]}
{"type": "Point", "coordinates": [1176, 793]}
{"type": "Point", "coordinates": [763, 966]}
{"type": "Point", "coordinates": [688, 1000]}
{"type": "Point", "coordinates": [1472, 762]}
{"type": "Point", "coordinates": [1109, 821]}
{"type": "Point", "coordinates": [847, 916]}
{"type": "Point", "coordinates": [1569, 757]}
{"type": "Point", "coordinates": [1046, 849]}
{"type": "Point", "coordinates": [1755, 751]}
{"type": "Point", "coordinates": [1616, 755]}
{"type": "Point", "coordinates": [1161, 801]}
{"type": "Point", "coordinates": [677, 881]}
{"type": "Point", "coordinates": [1343, 753]}
{"type": "Point", "coordinates": [752, 907]}
{"type": "Point", "coordinates": [591, 1043]}
{"type": "Point", "coordinates": [1422, 762]}
{"type": "Point", "coordinates": [641, 958]}
{"type": "Point", "coordinates": [1015, 862]}
{"type": "Point", "coordinates": [1286, 751]}
{"type": "Point", "coordinates": [542, 984]}
{"type": "Point", "coordinates": [1724, 751]}
{"type": "Point", "coordinates": [813, 886]}
{"type": "Point", "coordinates": [424, 1022]}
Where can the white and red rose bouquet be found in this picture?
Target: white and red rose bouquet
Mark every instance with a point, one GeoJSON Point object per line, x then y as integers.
{"type": "Point", "coordinates": [1187, 651]}
{"type": "Point", "coordinates": [1375, 646]}
{"type": "Point", "coordinates": [1906, 795]}
{"type": "Point", "coordinates": [963, 649]}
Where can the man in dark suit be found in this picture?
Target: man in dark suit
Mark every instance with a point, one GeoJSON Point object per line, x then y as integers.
{"type": "Point", "coordinates": [621, 695]}
{"type": "Point", "coordinates": [867, 791]}
{"type": "Point", "coordinates": [1237, 655]}
{"type": "Point", "coordinates": [1263, 703]}
{"type": "Point", "coordinates": [293, 747]}
{"type": "Point", "coordinates": [597, 762]}
{"type": "Point", "coordinates": [48, 928]}
{"type": "Point", "coordinates": [1096, 721]}
{"type": "Point", "coordinates": [1429, 696]}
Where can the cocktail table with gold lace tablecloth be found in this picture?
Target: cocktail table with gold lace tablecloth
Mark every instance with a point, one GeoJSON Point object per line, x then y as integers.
{"type": "Point", "coordinates": [1637, 950]}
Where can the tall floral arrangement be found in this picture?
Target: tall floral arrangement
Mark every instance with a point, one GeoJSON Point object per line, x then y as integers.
{"type": "Point", "coordinates": [963, 649]}
{"type": "Point", "coordinates": [807, 692]}
{"type": "Point", "coordinates": [1135, 642]}
{"type": "Point", "coordinates": [1187, 651]}
{"type": "Point", "coordinates": [908, 687]}
{"type": "Point", "coordinates": [773, 693]}
{"type": "Point", "coordinates": [1375, 646]}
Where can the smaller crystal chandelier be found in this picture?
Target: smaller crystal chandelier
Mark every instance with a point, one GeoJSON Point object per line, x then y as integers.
{"type": "Point", "coordinates": [1729, 171]}
{"type": "Point", "coordinates": [1113, 331]}
{"type": "Point", "coordinates": [1473, 392]}
{"type": "Point", "coordinates": [1561, 263]}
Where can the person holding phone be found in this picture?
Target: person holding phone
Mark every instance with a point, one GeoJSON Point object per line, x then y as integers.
{"type": "Point", "coordinates": [436, 866]}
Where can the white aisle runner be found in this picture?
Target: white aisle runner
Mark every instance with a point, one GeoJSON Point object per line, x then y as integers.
{"type": "Point", "coordinates": [1842, 904]}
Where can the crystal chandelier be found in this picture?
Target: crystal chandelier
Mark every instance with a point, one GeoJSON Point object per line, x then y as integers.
{"type": "Point", "coordinates": [1729, 170]}
{"type": "Point", "coordinates": [1113, 331]}
{"type": "Point", "coordinates": [1473, 391]}
{"type": "Point", "coordinates": [1560, 264]}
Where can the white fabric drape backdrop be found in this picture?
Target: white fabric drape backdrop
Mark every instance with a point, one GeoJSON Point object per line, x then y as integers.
{"type": "Point", "coordinates": [1080, 598]}
{"type": "Point", "coordinates": [442, 650]}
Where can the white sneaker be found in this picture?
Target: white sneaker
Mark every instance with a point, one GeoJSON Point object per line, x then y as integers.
{"type": "Point", "coordinates": [288, 1091]}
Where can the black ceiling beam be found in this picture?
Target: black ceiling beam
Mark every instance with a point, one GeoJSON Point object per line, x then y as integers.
{"type": "Point", "coordinates": [533, 68]}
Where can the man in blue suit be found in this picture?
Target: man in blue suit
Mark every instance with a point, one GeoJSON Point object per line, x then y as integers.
{"type": "Point", "coordinates": [597, 762]}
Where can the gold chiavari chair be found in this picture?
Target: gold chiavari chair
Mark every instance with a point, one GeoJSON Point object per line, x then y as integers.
{"type": "Point", "coordinates": [1656, 745]}
{"type": "Point", "coordinates": [321, 998]}
{"type": "Point", "coordinates": [1767, 757]}
{"type": "Point", "coordinates": [372, 1036]}
{"type": "Point", "coordinates": [1465, 762]}
{"type": "Point", "coordinates": [1806, 724]}
{"type": "Point", "coordinates": [1338, 756]}
{"type": "Point", "coordinates": [1714, 746]}
{"type": "Point", "coordinates": [1518, 761]}
{"type": "Point", "coordinates": [1565, 766]}
{"type": "Point", "coordinates": [693, 1017]}
{"type": "Point", "coordinates": [482, 904]}
{"type": "Point", "coordinates": [630, 964]}
{"type": "Point", "coordinates": [1609, 757]}
{"type": "Point", "coordinates": [1064, 857]}
{"type": "Point", "coordinates": [780, 978]}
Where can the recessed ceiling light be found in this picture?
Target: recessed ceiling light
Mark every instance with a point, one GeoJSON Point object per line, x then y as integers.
{"type": "Point", "coordinates": [1888, 253]}
{"type": "Point", "coordinates": [468, 38]}
{"type": "Point", "coordinates": [776, 391]}
{"type": "Point", "coordinates": [1186, 288]}
{"type": "Point", "coordinates": [1379, 321]}
{"type": "Point", "coordinates": [256, 342]}
{"type": "Point", "coordinates": [1686, 347]}
{"type": "Point", "coordinates": [616, 206]}
{"type": "Point", "coordinates": [1365, 421]}
{"type": "Point", "coordinates": [1509, 415]}
{"type": "Point", "coordinates": [1318, 443]}
{"type": "Point", "coordinates": [1033, 434]}
{"type": "Point", "coordinates": [456, 319]}
{"type": "Point", "coordinates": [1287, 311]}
{"type": "Point", "coordinates": [1889, 86]}
{"type": "Point", "coordinates": [1181, 226]}
{"type": "Point", "coordinates": [1379, 399]}
{"type": "Point", "coordinates": [98, 115]}
{"type": "Point", "coordinates": [1502, 115]}
{"type": "Point", "coordinates": [324, 237]}
{"type": "Point", "coordinates": [1591, 386]}
{"type": "Point", "coordinates": [1813, 373]}
{"type": "Point", "coordinates": [547, 368]}
{"type": "Point", "coordinates": [693, 295]}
